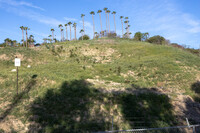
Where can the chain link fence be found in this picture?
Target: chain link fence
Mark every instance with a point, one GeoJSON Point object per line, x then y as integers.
{"type": "Point", "coordinates": [176, 129]}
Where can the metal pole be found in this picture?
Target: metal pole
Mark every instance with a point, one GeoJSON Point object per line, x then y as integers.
{"type": "Point", "coordinates": [112, 123]}
{"type": "Point", "coordinates": [17, 80]}
{"type": "Point", "coordinates": [194, 131]}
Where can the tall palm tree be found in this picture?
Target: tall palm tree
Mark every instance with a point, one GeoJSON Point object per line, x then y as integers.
{"type": "Point", "coordinates": [114, 12]}
{"type": "Point", "coordinates": [82, 16]}
{"type": "Point", "coordinates": [92, 13]}
{"type": "Point", "coordinates": [22, 28]}
{"type": "Point", "coordinates": [26, 29]}
{"type": "Point", "coordinates": [82, 32]}
{"type": "Point", "coordinates": [126, 22]}
{"type": "Point", "coordinates": [66, 31]}
{"type": "Point", "coordinates": [60, 26]}
{"type": "Point", "coordinates": [52, 30]}
{"type": "Point", "coordinates": [121, 17]}
{"type": "Point", "coordinates": [62, 34]}
{"type": "Point", "coordinates": [31, 38]}
{"type": "Point", "coordinates": [99, 12]}
{"type": "Point", "coordinates": [50, 37]}
{"type": "Point", "coordinates": [127, 25]}
{"type": "Point", "coordinates": [74, 25]}
{"type": "Point", "coordinates": [108, 11]}
{"type": "Point", "coordinates": [69, 23]}
{"type": "Point", "coordinates": [105, 9]}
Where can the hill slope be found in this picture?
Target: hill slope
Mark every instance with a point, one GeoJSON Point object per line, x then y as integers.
{"type": "Point", "coordinates": [83, 85]}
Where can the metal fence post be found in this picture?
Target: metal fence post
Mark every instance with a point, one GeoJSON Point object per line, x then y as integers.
{"type": "Point", "coordinates": [112, 123]}
{"type": "Point", "coordinates": [194, 130]}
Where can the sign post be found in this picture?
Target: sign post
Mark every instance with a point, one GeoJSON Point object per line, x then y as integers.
{"type": "Point", "coordinates": [17, 64]}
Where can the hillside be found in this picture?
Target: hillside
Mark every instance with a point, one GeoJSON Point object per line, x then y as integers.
{"type": "Point", "coordinates": [83, 85]}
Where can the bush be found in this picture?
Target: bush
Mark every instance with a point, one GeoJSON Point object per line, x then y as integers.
{"type": "Point", "coordinates": [85, 37]}
{"type": "Point", "coordinates": [157, 40]}
{"type": "Point", "coordinates": [112, 35]}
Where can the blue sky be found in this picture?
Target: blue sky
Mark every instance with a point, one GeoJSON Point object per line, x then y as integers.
{"type": "Point", "coordinates": [176, 20]}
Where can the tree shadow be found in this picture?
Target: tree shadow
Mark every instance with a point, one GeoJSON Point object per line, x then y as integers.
{"type": "Point", "coordinates": [18, 98]}
{"type": "Point", "coordinates": [193, 105]}
{"type": "Point", "coordinates": [78, 107]}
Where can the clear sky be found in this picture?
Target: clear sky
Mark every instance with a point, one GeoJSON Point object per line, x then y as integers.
{"type": "Point", "coordinates": [176, 20]}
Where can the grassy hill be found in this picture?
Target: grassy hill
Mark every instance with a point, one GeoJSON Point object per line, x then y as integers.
{"type": "Point", "coordinates": [84, 85]}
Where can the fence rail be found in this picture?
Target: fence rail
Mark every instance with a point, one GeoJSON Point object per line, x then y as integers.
{"type": "Point", "coordinates": [176, 129]}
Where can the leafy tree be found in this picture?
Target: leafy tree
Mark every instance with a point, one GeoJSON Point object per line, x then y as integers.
{"type": "Point", "coordinates": [138, 36]}
{"type": "Point", "coordinates": [157, 40]}
{"type": "Point", "coordinates": [92, 13]}
{"type": "Point", "coordinates": [85, 37]}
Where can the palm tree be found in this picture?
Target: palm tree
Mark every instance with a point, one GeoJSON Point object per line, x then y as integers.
{"type": "Point", "coordinates": [50, 37]}
{"type": "Point", "coordinates": [82, 16]}
{"type": "Point", "coordinates": [62, 34]}
{"type": "Point", "coordinates": [114, 12]}
{"type": "Point", "coordinates": [74, 25]}
{"type": "Point", "coordinates": [127, 25]}
{"type": "Point", "coordinates": [66, 31]}
{"type": "Point", "coordinates": [14, 42]}
{"type": "Point", "coordinates": [121, 17]}
{"type": "Point", "coordinates": [146, 35]}
{"type": "Point", "coordinates": [52, 33]}
{"type": "Point", "coordinates": [82, 32]}
{"type": "Point", "coordinates": [99, 12]}
{"type": "Point", "coordinates": [105, 9]}
{"type": "Point", "coordinates": [31, 38]}
{"type": "Point", "coordinates": [45, 40]}
{"type": "Point", "coordinates": [108, 11]}
{"type": "Point", "coordinates": [22, 28]}
{"type": "Point", "coordinates": [92, 13]}
{"type": "Point", "coordinates": [69, 23]}
{"type": "Point", "coordinates": [26, 29]}
{"type": "Point", "coordinates": [60, 26]}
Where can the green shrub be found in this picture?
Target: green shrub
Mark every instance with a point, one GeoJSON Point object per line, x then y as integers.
{"type": "Point", "coordinates": [85, 37]}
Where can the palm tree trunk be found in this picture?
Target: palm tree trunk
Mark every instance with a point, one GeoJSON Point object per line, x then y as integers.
{"type": "Point", "coordinates": [23, 36]}
{"type": "Point", "coordinates": [82, 36]}
{"type": "Point", "coordinates": [75, 32]}
{"type": "Point", "coordinates": [108, 22]}
{"type": "Point", "coordinates": [93, 27]}
{"type": "Point", "coordinates": [83, 26]}
{"type": "Point", "coordinates": [61, 35]}
{"type": "Point", "coordinates": [66, 34]}
{"type": "Point", "coordinates": [122, 28]}
{"type": "Point", "coordinates": [115, 24]}
{"type": "Point", "coordinates": [101, 23]}
{"type": "Point", "coordinates": [26, 39]}
{"type": "Point", "coordinates": [52, 35]}
{"type": "Point", "coordinates": [70, 33]}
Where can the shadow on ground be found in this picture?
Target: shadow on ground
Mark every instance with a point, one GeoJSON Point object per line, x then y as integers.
{"type": "Point", "coordinates": [78, 107]}
{"type": "Point", "coordinates": [18, 98]}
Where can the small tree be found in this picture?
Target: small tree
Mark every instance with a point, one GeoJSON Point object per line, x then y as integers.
{"type": "Point", "coordinates": [157, 40]}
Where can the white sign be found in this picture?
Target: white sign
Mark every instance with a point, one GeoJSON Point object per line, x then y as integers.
{"type": "Point", "coordinates": [17, 62]}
